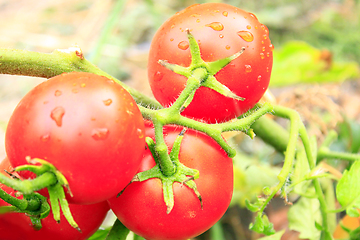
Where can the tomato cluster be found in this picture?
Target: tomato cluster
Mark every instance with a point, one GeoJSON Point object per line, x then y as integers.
{"type": "Point", "coordinates": [92, 131]}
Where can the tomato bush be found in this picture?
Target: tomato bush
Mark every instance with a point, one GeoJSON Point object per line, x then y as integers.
{"type": "Point", "coordinates": [141, 206]}
{"type": "Point", "coordinates": [87, 126]}
{"type": "Point", "coordinates": [18, 225]}
{"type": "Point", "coordinates": [221, 30]}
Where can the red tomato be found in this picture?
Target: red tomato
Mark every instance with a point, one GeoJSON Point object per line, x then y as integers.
{"type": "Point", "coordinates": [141, 206]}
{"type": "Point", "coordinates": [16, 226]}
{"type": "Point", "coordinates": [87, 126]}
{"type": "Point", "coordinates": [221, 30]}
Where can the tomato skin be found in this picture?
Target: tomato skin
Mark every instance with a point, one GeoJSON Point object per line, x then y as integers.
{"type": "Point", "coordinates": [87, 126]}
{"type": "Point", "coordinates": [16, 226]}
{"type": "Point", "coordinates": [248, 76]}
{"type": "Point", "coordinates": [141, 206]}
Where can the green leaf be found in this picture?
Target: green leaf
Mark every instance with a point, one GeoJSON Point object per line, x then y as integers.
{"type": "Point", "coordinates": [100, 234]}
{"type": "Point", "coordinates": [262, 225]}
{"type": "Point", "coordinates": [299, 62]}
{"type": "Point", "coordinates": [276, 236]}
{"type": "Point", "coordinates": [303, 216]}
{"type": "Point", "coordinates": [348, 187]}
{"type": "Point", "coordinates": [118, 231]}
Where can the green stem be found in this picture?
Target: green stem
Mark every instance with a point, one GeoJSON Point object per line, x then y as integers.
{"type": "Point", "coordinates": [35, 64]}
{"type": "Point", "coordinates": [312, 163]}
{"type": "Point", "coordinates": [325, 152]}
{"type": "Point", "coordinates": [19, 203]}
{"type": "Point", "coordinates": [106, 31]}
{"type": "Point", "coordinates": [294, 118]}
{"type": "Point", "coordinates": [29, 186]}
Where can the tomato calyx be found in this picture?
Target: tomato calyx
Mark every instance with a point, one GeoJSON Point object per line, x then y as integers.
{"type": "Point", "coordinates": [203, 72]}
{"type": "Point", "coordinates": [182, 174]}
{"type": "Point", "coordinates": [47, 177]}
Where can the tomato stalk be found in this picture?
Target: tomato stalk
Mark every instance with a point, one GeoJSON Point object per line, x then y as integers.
{"type": "Point", "coordinates": [181, 174]}
{"type": "Point", "coordinates": [47, 177]}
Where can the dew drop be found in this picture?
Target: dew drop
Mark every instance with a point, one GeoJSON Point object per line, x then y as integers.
{"type": "Point", "coordinates": [198, 20]}
{"type": "Point", "coordinates": [215, 26]}
{"type": "Point", "coordinates": [271, 47]}
{"type": "Point", "coordinates": [221, 36]}
{"type": "Point", "coordinates": [225, 13]}
{"type": "Point", "coordinates": [248, 27]}
{"type": "Point", "coordinates": [265, 36]}
{"type": "Point", "coordinates": [248, 68]}
{"type": "Point", "coordinates": [263, 49]}
{"type": "Point", "coordinates": [172, 26]}
{"type": "Point", "coordinates": [171, 39]}
{"type": "Point", "coordinates": [83, 85]}
{"type": "Point", "coordinates": [45, 138]}
{"type": "Point", "coordinates": [246, 35]}
{"type": "Point", "coordinates": [262, 56]}
{"type": "Point", "coordinates": [267, 69]}
{"type": "Point", "coordinates": [183, 45]}
{"type": "Point", "coordinates": [263, 27]}
{"type": "Point", "coordinates": [57, 93]}
{"type": "Point", "coordinates": [252, 15]}
{"type": "Point", "coordinates": [195, 15]}
{"type": "Point", "coordinates": [268, 54]}
{"type": "Point", "coordinates": [259, 78]}
{"type": "Point", "coordinates": [57, 115]}
{"type": "Point", "coordinates": [100, 133]}
{"type": "Point", "coordinates": [140, 133]}
{"type": "Point", "coordinates": [227, 47]}
{"type": "Point", "coordinates": [107, 102]}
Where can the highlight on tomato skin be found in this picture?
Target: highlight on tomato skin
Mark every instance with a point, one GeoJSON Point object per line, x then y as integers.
{"type": "Point", "coordinates": [141, 207]}
{"type": "Point", "coordinates": [14, 226]}
{"type": "Point", "coordinates": [221, 30]}
{"type": "Point", "coordinates": [87, 126]}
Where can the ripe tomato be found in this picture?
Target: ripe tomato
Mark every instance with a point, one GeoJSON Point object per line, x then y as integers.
{"type": "Point", "coordinates": [220, 30]}
{"type": "Point", "coordinates": [15, 226]}
{"type": "Point", "coordinates": [350, 223]}
{"type": "Point", "coordinates": [87, 126]}
{"type": "Point", "coordinates": [142, 209]}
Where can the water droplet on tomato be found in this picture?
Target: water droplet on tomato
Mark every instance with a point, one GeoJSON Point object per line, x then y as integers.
{"type": "Point", "coordinates": [57, 115]}
{"type": "Point", "coordinates": [83, 85]}
{"type": "Point", "coordinates": [215, 26]}
{"type": "Point", "coordinates": [246, 35]}
{"type": "Point", "coordinates": [195, 15]}
{"type": "Point", "coordinates": [262, 56]}
{"type": "Point", "coordinates": [183, 45]}
{"type": "Point", "coordinates": [100, 133]}
{"type": "Point", "coordinates": [263, 27]}
{"type": "Point", "coordinates": [248, 68]}
{"type": "Point", "coordinates": [263, 49]}
{"type": "Point", "coordinates": [227, 47]}
{"type": "Point", "coordinates": [140, 133]}
{"type": "Point", "coordinates": [265, 36]}
{"type": "Point", "coordinates": [267, 69]}
{"type": "Point", "coordinates": [271, 47]}
{"type": "Point", "coordinates": [252, 15]}
{"type": "Point", "coordinates": [248, 27]}
{"type": "Point", "coordinates": [57, 93]}
{"type": "Point", "coordinates": [172, 26]}
{"type": "Point", "coordinates": [45, 138]}
{"type": "Point", "coordinates": [107, 102]}
{"type": "Point", "coordinates": [268, 54]}
{"type": "Point", "coordinates": [221, 36]}
{"type": "Point", "coordinates": [259, 78]}
{"type": "Point", "coordinates": [198, 20]}
{"type": "Point", "coordinates": [225, 13]}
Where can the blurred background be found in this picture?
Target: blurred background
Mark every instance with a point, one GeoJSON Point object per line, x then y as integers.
{"type": "Point", "coordinates": [316, 67]}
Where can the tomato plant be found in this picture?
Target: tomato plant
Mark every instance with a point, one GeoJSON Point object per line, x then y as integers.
{"type": "Point", "coordinates": [141, 206]}
{"type": "Point", "coordinates": [87, 126]}
{"type": "Point", "coordinates": [18, 225]}
{"type": "Point", "coordinates": [221, 30]}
